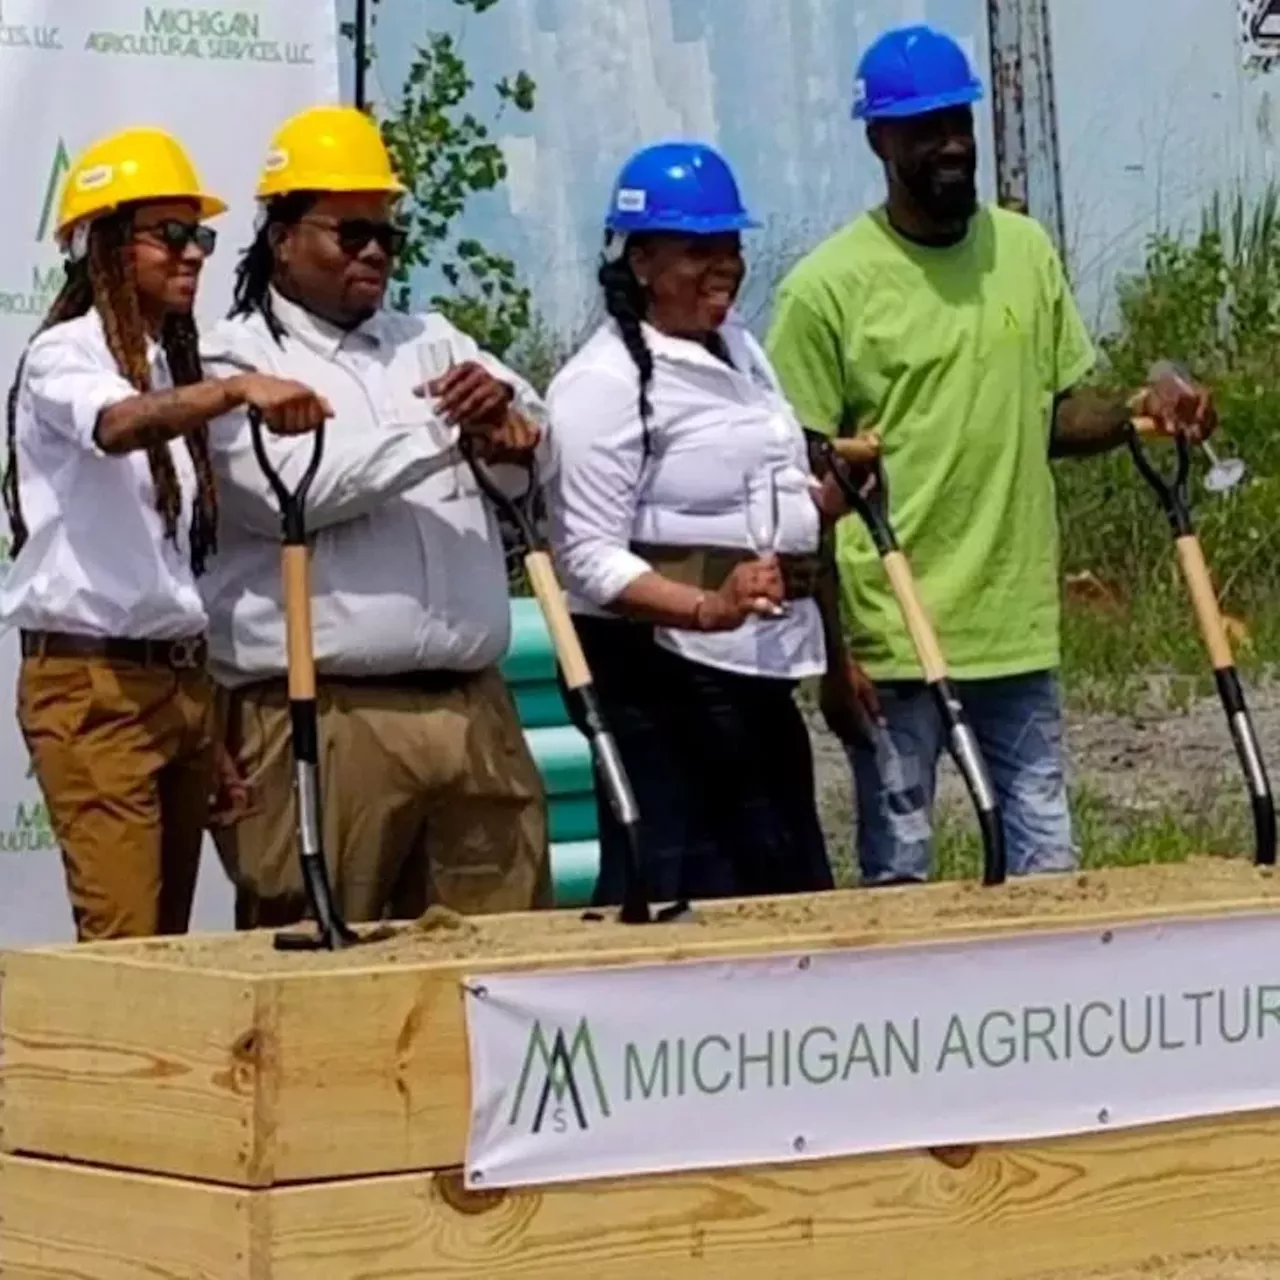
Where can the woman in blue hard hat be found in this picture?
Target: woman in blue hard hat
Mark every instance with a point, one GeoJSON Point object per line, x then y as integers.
{"type": "Point", "coordinates": [674, 450]}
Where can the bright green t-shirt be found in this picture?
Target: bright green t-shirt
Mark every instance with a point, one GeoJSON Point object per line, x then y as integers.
{"type": "Point", "coordinates": [956, 356]}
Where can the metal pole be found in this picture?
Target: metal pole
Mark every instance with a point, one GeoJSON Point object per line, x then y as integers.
{"type": "Point", "coordinates": [1024, 113]}
{"type": "Point", "coordinates": [362, 58]}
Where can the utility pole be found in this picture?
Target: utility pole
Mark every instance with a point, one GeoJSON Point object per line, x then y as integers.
{"type": "Point", "coordinates": [1025, 113]}
{"type": "Point", "coordinates": [362, 49]}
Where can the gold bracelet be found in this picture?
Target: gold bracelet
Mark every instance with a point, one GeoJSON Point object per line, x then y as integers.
{"type": "Point", "coordinates": [697, 611]}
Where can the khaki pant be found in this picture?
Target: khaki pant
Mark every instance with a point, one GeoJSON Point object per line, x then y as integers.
{"type": "Point", "coordinates": [125, 757]}
{"type": "Point", "coordinates": [427, 797]}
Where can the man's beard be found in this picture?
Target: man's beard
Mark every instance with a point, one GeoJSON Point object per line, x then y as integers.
{"type": "Point", "coordinates": [943, 200]}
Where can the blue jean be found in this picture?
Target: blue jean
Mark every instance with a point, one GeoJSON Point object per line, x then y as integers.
{"type": "Point", "coordinates": [1018, 723]}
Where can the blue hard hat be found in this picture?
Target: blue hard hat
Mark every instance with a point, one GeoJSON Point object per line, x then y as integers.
{"type": "Point", "coordinates": [911, 70]}
{"type": "Point", "coordinates": [677, 186]}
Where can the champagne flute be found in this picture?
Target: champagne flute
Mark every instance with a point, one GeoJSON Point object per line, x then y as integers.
{"type": "Point", "coordinates": [1171, 379]}
{"type": "Point", "coordinates": [762, 507]}
{"type": "Point", "coordinates": [435, 359]}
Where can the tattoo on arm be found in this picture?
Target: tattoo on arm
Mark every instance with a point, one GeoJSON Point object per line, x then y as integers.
{"type": "Point", "coordinates": [1087, 422]}
{"type": "Point", "coordinates": [144, 421]}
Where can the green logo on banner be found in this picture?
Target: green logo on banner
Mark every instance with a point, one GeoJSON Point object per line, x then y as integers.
{"type": "Point", "coordinates": [24, 35]}
{"type": "Point", "coordinates": [189, 31]}
{"type": "Point", "coordinates": [31, 297]}
{"type": "Point", "coordinates": [29, 830]}
{"type": "Point", "coordinates": [559, 1064]}
{"type": "Point", "coordinates": [52, 189]}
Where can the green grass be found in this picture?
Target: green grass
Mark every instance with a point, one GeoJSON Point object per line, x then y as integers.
{"type": "Point", "coordinates": [1112, 837]}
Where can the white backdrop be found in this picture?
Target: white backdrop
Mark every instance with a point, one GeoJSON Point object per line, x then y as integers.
{"type": "Point", "coordinates": [219, 77]}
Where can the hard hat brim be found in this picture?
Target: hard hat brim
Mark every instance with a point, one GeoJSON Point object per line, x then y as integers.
{"type": "Point", "coordinates": [709, 225]}
{"type": "Point", "coordinates": [207, 206]}
{"type": "Point", "coordinates": [330, 184]}
{"type": "Point", "coordinates": [211, 206]}
{"type": "Point", "coordinates": [919, 106]}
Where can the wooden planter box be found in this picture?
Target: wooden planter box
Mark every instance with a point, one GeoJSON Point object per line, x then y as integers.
{"type": "Point", "coordinates": [210, 1109]}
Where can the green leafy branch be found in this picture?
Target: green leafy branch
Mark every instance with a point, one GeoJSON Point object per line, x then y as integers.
{"type": "Point", "coordinates": [444, 154]}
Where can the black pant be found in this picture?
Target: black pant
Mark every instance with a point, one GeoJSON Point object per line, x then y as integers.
{"type": "Point", "coordinates": [722, 770]}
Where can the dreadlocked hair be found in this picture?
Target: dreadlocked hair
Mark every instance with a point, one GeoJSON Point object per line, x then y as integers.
{"type": "Point", "coordinates": [103, 280]}
{"type": "Point", "coordinates": [626, 304]}
{"type": "Point", "coordinates": [257, 263]}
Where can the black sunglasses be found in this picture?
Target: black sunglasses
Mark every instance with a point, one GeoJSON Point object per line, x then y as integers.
{"type": "Point", "coordinates": [175, 235]}
{"type": "Point", "coordinates": [354, 234]}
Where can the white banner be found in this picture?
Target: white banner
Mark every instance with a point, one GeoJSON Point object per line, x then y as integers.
{"type": "Point", "coordinates": [220, 77]}
{"type": "Point", "coordinates": [623, 1071]}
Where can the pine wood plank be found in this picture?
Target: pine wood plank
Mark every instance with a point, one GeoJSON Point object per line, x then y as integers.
{"type": "Point", "coordinates": [219, 1058]}
{"type": "Point", "coordinates": [1109, 1203]}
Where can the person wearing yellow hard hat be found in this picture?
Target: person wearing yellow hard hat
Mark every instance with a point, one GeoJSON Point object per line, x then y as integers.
{"type": "Point", "coordinates": [430, 791]}
{"type": "Point", "coordinates": [111, 527]}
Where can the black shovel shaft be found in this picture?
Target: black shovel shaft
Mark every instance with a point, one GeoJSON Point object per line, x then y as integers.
{"type": "Point", "coordinates": [584, 704]}
{"type": "Point", "coordinates": [967, 755]}
{"type": "Point", "coordinates": [1173, 494]}
{"type": "Point", "coordinates": [1175, 499]}
{"type": "Point", "coordinates": [1251, 763]}
{"type": "Point", "coordinates": [616, 786]}
{"type": "Point", "coordinates": [872, 506]}
{"type": "Point", "coordinates": [304, 723]}
{"type": "Point", "coordinates": [292, 502]}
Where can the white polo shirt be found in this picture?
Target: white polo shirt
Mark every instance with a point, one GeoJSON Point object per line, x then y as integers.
{"type": "Point", "coordinates": [408, 571]}
{"type": "Point", "coordinates": [710, 426]}
{"type": "Point", "coordinates": [96, 561]}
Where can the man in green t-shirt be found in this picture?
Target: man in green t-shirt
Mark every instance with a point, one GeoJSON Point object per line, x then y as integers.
{"type": "Point", "coordinates": [949, 327]}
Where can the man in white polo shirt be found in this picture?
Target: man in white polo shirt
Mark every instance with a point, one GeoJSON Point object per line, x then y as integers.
{"type": "Point", "coordinates": [430, 792]}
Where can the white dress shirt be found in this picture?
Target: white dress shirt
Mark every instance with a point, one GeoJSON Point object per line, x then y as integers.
{"type": "Point", "coordinates": [96, 561]}
{"type": "Point", "coordinates": [711, 425]}
{"type": "Point", "coordinates": [407, 566]}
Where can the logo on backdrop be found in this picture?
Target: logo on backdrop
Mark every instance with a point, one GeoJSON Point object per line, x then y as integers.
{"type": "Point", "coordinates": [28, 829]}
{"type": "Point", "coordinates": [191, 31]}
{"type": "Point", "coordinates": [31, 297]}
{"type": "Point", "coordinates": [1260, 33]}
{"type": "Point", "coordinates": [25, 35]}
{"type": "Point", "coordinates": [558, 1070]}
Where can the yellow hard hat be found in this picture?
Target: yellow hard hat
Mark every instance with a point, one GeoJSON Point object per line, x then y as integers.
{"type": "Point", "coordinates": [327, 149]}
{"type": "Point", "coordinates": [135, 164]}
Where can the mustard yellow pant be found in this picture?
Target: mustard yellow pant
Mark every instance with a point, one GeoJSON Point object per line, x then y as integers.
{"type": "Point", "coordinates": [124, 755]}
{"type": "Point", "coordinates": [428, 797]}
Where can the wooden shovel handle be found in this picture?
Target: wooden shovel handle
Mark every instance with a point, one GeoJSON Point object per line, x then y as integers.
{"type": "Point", "coordinates": [296, 576]}
{"type": "Point", "coordinates": [555, 612]}
{"type": "Point", "coordinates": [1204, 601]}
{"type": "Point", "coordinates": [923, 636]}
{"type": "Point", "coordinates": [858, 450]}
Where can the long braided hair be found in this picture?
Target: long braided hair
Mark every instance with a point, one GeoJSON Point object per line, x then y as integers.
{"type": "Point", "coordinates": [626, 304]}
{"type": "Point", "coordinates": [103, 279]}
{"type": "Point", "coordinates": [257, 263]}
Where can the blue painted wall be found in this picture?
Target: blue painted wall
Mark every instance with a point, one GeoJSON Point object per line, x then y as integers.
{"type": "Point", "coordinates": [1155, 112]}
{"type": "Point", "coordinates": [769, 81]}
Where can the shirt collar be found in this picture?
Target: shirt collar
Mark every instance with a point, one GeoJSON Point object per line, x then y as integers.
{"type": "Point", "coordinates": [322, 337]}
{"type": "Point", "coordinates": [155, 352]}
{"type": "Point", "coordinates": [685, 351]}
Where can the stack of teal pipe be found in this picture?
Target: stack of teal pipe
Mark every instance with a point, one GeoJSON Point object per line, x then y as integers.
{"type": "Point", "coordinates": [562, 754]}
